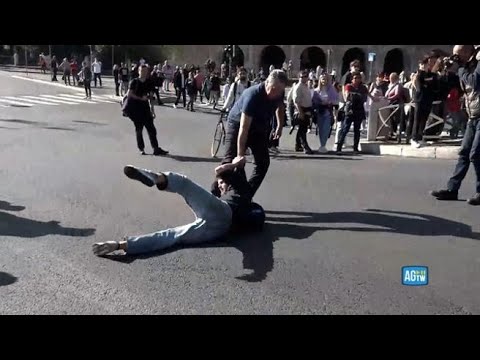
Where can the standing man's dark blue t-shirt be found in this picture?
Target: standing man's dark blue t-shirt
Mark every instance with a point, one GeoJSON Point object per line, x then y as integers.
{"type": "Point", "coordinates": [255, 103]}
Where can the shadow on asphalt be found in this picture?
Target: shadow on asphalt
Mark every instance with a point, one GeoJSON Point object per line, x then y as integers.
{"type": "Point", "coordinates": [12, 225]}
{"type": "Point", "coordinates": [38, 124]}
{"type": "Point", "coordinates": [5, 205]}
{"type": "Point", "coordinates": [7, 279]}
{"type": "Point", "coordinates": [257, 248]}
{"type": "Point", "coordinates": [194, 159]}
{"type": "Point", "coordinates": [313, 157]}
{"type": "Point", "coordinates": [89, 122]}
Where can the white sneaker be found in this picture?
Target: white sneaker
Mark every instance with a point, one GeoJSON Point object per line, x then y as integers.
{"type": "Point", "coordinates": [174, 106]}
{"type": "Point", "coordinates": [322, 150]}
{"type": "Point", "coordinates": [415, 144]}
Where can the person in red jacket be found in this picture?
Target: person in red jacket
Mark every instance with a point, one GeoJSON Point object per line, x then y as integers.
{"type": "Point", "coordinates": [74, 71]}
{"type": "Point", "coordinates": [454, 109]}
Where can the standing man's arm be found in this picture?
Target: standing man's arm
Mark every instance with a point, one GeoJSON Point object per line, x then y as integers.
{"type": "Point", "coordinates": [280, 113]}
{"type": "Point", "coordinates": [245, 122]}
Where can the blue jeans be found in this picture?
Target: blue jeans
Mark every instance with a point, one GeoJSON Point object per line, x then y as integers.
{"type": "Point", "coordinates": [469, 152]}
{"type": "Point", "coordinates": [213, 218]}
{"type": "Point", "coordinates": [324, 122]}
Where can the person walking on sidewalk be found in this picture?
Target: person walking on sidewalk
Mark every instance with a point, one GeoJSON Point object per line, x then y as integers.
{"type": "Point", "coordinates": [125, 79]}
{"type": "Point", "coordinates": [191, 89]}
{"type": "Point", "coordinates": [302, 100]}
{"type": "Point", "coordinates": [97, 72]}
{"type": "Point", "coordinates": [65, 67]}
{"type": "Point", "coordinates": [54, 67]}
{"type": "Point", "coordinates": [87, 79]}
{"type": "Point", "coordinates": [74, 68]}
{"type": "Point", "coordinates": [356, 95]}
{"type": "Point", "coordinates": [179, 81]}
{"type": "Point", "coordinates": [116, 79]}
{"type": "Point", "coordinates": [468, 58]}
{"type": "Point", "coordinates": [139, 108]}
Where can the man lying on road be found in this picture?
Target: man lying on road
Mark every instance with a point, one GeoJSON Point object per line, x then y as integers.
{"type": "Point", "coordinates": [215, 215]}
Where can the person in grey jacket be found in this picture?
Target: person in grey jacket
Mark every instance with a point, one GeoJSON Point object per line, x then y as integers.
{"type": "Point", "coordinates": [467, 57]}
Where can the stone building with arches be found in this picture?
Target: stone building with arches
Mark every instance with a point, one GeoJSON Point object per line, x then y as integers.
{"type": "Point", "coordinates": [389, 58]}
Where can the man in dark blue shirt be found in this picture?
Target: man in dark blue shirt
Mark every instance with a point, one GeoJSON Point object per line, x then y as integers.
{"type": "Point", "coordinates": [248, 125]}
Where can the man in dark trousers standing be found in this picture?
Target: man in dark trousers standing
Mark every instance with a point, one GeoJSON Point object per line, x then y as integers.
{"type": "Point", "coordinates": [179, 82]}
{"type": "Point", "coordinates": [248, 125]}
{"type": "Point", "coordinates": [54, 67]}
{"type": "Point", "coordinates": [468, 58]}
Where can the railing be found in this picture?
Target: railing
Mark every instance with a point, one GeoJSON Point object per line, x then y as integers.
{"type": "Point", "coordinates": [432, 121]}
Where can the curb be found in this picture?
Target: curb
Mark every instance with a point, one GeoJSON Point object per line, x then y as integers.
{"type": "Point", "coordinates": [429, 152]}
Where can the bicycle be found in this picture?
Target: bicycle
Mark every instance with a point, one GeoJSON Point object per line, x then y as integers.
{"type": "Point", "coordinates": [219, 135]}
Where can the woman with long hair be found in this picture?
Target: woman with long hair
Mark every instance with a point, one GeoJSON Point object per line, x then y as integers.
{"type": "Point", "coordinates": [324, 98]}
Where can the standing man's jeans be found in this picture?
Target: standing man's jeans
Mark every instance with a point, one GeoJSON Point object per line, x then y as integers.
{"type": "Point", "coordinates": [469, 152]}
{"type": "Point", "coordinates": [54, 76]}
{"type": "Point", "coordinates": [324, 123]}
{"type": "Point", "coordinates": [356, 118]}
{"type": "Point", "coordinates": [258, 143]}
{"type": "Point", "coordinates": [213, 219]}
{"type": "Point", "coordinates": [181, 92]}
{"type": "Point", "coordinates": [99, 77]}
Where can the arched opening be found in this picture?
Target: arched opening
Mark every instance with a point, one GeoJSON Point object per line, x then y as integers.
{"type": "Point", "coordinates": [351, 55]}
{"type": "Point", "coordinates": [272, 55]}
{"type": "Point", "coordinates": [393, 62]}
{"type": "Point", "coordinates": [312, 57]}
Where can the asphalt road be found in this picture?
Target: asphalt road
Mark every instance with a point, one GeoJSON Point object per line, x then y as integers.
{"type": "Point", "coordinates": [339, 228]}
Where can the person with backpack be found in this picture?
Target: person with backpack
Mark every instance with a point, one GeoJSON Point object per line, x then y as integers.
{"type": "Point", "coordinates": [236, 89]}
{"type": "Point", "coordinates": [138, 107]}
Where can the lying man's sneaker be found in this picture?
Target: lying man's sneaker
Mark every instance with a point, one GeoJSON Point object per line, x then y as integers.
{"type": "Point", "coordinates": [444, 195]}
{"type": "Point", "coordinates": [105, 248]}
{"type": "Point", "coordinates": [475, 201]}
{"type": "Point", "coordinates": [146, 177]}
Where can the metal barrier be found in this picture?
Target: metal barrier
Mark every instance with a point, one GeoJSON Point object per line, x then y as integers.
{"type": "Point", "coordinates": [385, 122]}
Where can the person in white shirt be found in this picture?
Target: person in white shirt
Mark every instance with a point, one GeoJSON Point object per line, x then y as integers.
{"type": "Point", "coordinates": [168, 72]}
{"type": "Point", "coordinates": [302, 99]}
{"type": "Point", "coordinates": [236, 89]}
{"type": "Point", "coordinates": [226, 88]}
{"type": "Point", "coordinates": [97, 72]}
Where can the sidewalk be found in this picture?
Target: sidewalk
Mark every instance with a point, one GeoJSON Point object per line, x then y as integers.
{"type": "Point", "coordinates": [444, 149]}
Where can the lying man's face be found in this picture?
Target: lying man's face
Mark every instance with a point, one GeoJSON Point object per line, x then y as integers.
{"type": "Point", "coordinates": [222, 186]}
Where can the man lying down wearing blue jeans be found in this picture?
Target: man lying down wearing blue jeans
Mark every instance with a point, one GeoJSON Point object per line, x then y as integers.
{"type": "Point", "coordinates": [228, 207]}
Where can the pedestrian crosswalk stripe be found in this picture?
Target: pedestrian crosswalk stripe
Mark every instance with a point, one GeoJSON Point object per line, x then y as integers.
{"type": "Point", "coordinates": [68, 97]}
{"type": "Point", "coordinates": [94, 99]}
{"type": "Point", "coordinates": [51, 100]}
{"type": "Point", "coordinates": [30, 100]}
{"type": "Point", "coordinates": [61, 100]}
{"type": "Point", "coordinates": [12, 102]}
